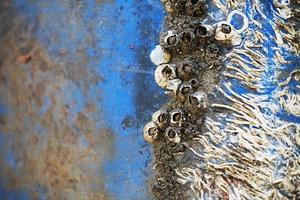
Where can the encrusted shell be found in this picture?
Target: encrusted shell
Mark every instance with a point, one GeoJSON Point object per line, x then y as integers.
{"type": "Point", "coordinates": [164, 73]}
{"type": "Point", "coordinates": [198, 99]}
{"type": "Point", "coordinates": [151, 132]}
{"type": "Point", "coordinates": [173, 134]}
{"type": "Point", "coordinates": [161, 117]}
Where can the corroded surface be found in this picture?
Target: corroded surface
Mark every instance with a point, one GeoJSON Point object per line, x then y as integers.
{"type": "Point", "coordinates": [70, 115]}
{"type": "Point", "coordinates": [54, 146]}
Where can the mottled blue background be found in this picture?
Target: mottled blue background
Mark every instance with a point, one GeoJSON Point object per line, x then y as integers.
{"type": "Point", "coordinates": [108, 39]}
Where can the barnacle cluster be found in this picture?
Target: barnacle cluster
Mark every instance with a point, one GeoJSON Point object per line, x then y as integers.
{"type": "Point", "coordinates": [210, 141]}
{"type": "Point", "coordinates": [188, 77]}
{"type": "Point", "coordinates": [194, 52]}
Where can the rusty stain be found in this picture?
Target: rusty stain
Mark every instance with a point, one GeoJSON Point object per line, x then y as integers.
{"type": "Point", "coordinates": [24, 58]}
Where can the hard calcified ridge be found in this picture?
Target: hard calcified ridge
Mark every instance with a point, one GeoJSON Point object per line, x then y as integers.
{"type": "Point", "coordinates": [232, 75]}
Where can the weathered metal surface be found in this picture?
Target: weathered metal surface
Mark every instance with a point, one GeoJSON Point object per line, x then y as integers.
{"type": "Point", "coordinates": [76, 88]}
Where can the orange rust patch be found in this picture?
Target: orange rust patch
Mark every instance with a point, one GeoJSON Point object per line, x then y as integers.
{"type": "Point", "coordinates": [24, 58]}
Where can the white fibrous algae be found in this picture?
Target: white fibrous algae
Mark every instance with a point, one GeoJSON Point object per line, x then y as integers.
{"type": "Point", "coordinates": [231, 129]}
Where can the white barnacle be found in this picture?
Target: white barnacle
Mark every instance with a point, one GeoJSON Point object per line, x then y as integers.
{"type": "Point", "coordinates": [173, 134]}
{"type": "Point", "coordinates": [158, 56]}
{"type": "Point", "coordinates": [164, 73]}
{"type": "Point", "coordinates": [171, 39]}
{"type": "Point", "coordinates": [184, 90]}
{"type": "Point", "coordinates": [226, 33]}
{"type": "Point", "coordinates": [198, 99]}
{"type": "Point", "coordinates": [161, 117]}
{"type": "Point", "coordinates": [151, 132]}
{"type": "Point", "coordinates": [177, 116]}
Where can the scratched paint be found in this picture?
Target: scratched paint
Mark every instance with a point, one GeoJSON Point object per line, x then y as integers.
{"type": "Point", "coordinates": [71, 115]}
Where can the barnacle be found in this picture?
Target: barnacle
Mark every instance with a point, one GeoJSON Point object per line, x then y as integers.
{"type": "Point", "coordinates": [186, 70]}
{"type": "Point", "coordinates": [169, 40]}
{"type": "Point", "coordinates": [198, 99]}
{"type": "Point", "coordinates": [233, 145]}
{"type": "Point", "coordinates": [173, 134]}
{"type": "Point", "coordinates": [226, 33]}
{"type": "Point", "coordinates": [158, 56]}
{"type": "Point", "coordinates": [177, 117]}
{"type": "Point", "coordinates": [187, 37]}
{"type": "Point", "coordinates": [194, 83]}
{"type": "Point", "coordinates": [161, 118]}
{"type": "Point", "coordinates": [164, 73]}
{"type": "Point", "coordinates": [201, 31]}
{"type": "Point", "coordinates": [151, 132]}
{"type": "Point", "coordinates": [184, 90]}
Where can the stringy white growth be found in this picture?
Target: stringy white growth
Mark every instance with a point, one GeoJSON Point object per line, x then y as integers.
{"type": "Point", "coordinates": [247, 151]}
{"type": "Point", "coordinates": [289, 101]}
{"type": "Point", "coordinates": [252, 167]}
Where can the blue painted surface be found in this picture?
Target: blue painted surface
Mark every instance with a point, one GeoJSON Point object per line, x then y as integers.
{"type": "Point", "coordinates": [115, 38]}
{"type": "Point", "coordinates": [122, 90]}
